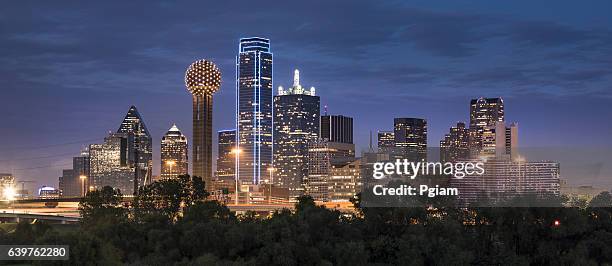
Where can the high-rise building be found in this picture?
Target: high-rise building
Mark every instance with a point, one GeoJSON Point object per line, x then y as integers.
{"type": "Point", "coordinates": [64, 181]}
{"type": "Point", "coordinates": [455, 145]}
{"type": "Point", "coordinates": [386, 141]}
{"type": "Point", "coordinates": [109, 163]}
{"type": "Point", "coordinates": [504, 179]}
{"type": "Point", "coordinates": [296, 123]}
{"type": "Point", "coordinates": [254, 109]}
{"type": "Point", "coordinates": [483, 112]}
{"type": "Point", "coordinates": [174, 154]}
{"type": "Point", "coordinates": [226, 160]}
{"type": "Point", "coordinates": [411, 138]}
{"type": "Point", "coordinates": [202, 80]}
{"type": "Point", "coordinates": [499, 139]}
{"type": "Point", "coordinates": [322, 156]}
{"type": "Point", "coordinates": [141, 155]}
{"type": "Point", "coordinates": [337, 128]}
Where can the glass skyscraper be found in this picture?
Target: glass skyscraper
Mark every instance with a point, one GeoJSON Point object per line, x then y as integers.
{"type": "Point", "coordinates": [254, 109]}
{"type": "Point", "coordinates": [226, 164]}
{"type": "Point", "coordinates": [142, 150]}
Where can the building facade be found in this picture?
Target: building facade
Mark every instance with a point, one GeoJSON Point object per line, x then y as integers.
{"type": "Point", "coordinates": [484, 112]}
{"type": "Point", "coordinates": [296, 123]}
{"type": "Point", "coordinates": [410, 136]}
{"type": "Point", "coordinates": [386, 141]}
{"type": "Point", "coordinates": [455, 145]}
{"type": "Point", "coordinates": [141, 155]}
{"type": "Point", "coordinates": [345, 181]}
{"type": "Point", "coordinates": [109, 163]}
{"type": "Point", "coordinates": [174, 154]}
{"type": "Point", "coordinates": [254, 108]}
{"type": "Point", "coordinates": [226, 154]}
{"type": "Point", "coordinates": [322, 156]}
{"type": "Point", "coordinates": [336, 128]}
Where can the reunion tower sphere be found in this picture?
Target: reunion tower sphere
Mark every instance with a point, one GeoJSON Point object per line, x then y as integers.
{"type": "Point", "coordinates": [203, 77]}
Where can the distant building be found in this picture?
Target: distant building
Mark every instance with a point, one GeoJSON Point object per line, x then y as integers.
{"type": "Point", "coordinates": [411, 138]}
{"type": "Point", "coordinates": [141, 153]}
{"type": "Point", "coordinates": [386, 141]}
{"type": "Point", "coordinates": [337, 128]}
{"type": "Point", "coordinates": [345, 181]}
{"type": "Point", "coordinates": [505, 178]}
{"type": "Point", "coordinates": [109, 163]}
{"type": "Point", "coordinates": [64, 180]}
{"type": "Point", "coordinates": [254, 109]}
{"type": "Point", "coordinates": [322, 155]}
{"type": "Point", "coordinates": [174, 154]}
{"type": "Point", "coordinates": [296, 123]}
{"type": "Point", "coordinates": [499, 139]}
{"type": "Point", "coordinates": [455, 145]}
{"type": "Point", "coordinates": [226, 160]}
{"type": "Point", "coordinates": [484, 112]}
{"type": "Point", "coordinates": [46, 192]}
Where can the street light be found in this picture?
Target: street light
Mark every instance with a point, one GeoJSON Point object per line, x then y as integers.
{"type": "Point", "coordinates": [83, 177]}
{"type": "Point", "coordinates": [236, 153]}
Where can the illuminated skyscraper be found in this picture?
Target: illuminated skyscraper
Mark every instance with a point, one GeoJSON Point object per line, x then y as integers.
{"type": "Point", "coordinates": [202, 79]}
{"type": "Point", "coordinates": [337, 128]}
{"type": "Point", "coordinates": [411, 138]}
{"type": "Point", "coordinates": [454, 146]}
{"type": "Point", "coordinates": [226, 160]}
{"type": "Point", "coordinates": [174, 154]}
{"type": "Point", "coordinates": [254, 108]}
{"type": "Point", "coordinates": [142, 151]}
{"type": "Point", "coordinates": [296, 123]}
{"type": "Point", "coordinates": [110, 165]}
{"type": "Point", "coordinates": [483, 112]}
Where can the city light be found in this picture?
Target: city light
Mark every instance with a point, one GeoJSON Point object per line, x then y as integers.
{"type": "Point", "coordinates": [9, 193]}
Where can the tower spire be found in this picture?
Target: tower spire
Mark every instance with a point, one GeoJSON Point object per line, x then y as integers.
{"type": "Point", "coordinates": [296, 78]}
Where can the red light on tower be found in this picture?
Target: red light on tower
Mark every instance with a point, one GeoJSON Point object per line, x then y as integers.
{"type": "Point", "coordinates": [556, 223]}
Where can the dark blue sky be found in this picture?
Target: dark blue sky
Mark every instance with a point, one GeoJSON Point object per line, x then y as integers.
{"type": "Point", "coordinates": [70, 71]}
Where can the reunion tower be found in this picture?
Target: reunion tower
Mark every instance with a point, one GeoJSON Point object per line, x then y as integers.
{"type": "Point", "coordinates": [202, 79]}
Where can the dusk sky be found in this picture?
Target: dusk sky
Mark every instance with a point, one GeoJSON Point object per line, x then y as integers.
{"type": "Point", "coordinates": [70, 71]}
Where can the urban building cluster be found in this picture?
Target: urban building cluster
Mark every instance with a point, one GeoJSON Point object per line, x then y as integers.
{"type": "Point", "coordinates": [283, 147]}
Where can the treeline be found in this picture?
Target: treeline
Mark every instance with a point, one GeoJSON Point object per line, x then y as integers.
{"type": "Point", "coordinates": [168, 223]}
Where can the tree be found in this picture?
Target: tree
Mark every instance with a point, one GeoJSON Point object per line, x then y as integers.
{"type": "Point", "coordinates": [102, 206]}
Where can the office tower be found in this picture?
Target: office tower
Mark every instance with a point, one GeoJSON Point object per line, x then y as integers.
{"type": "Point", "coordinates": [202, 80]}
{"type": "Point", "coordinates": [455, 145]}
{"type": "Point", "coordinates": [296, 123]}
{"type": "Point", "coordinates": [411, 138]}
{"type": "Point", "coordinates": [81, 173]}
{"type": "Point", "coordinates": [337, 128]}
{"type": "Point", "coordinates": [499, 139]}
{"type": "Point", "coordinates": [505, 179]}
{"type": "Point", "coordinates": [142, 149]}
{"type": "Point", "coordinates": [174, 154]}
{"type": "Point", "coordinates": [254, 109]}
{"type": "Point", "coordinates": [109, 163]}
{"type": "Point", "coordinates": [386, 141]}
{"type": "Point", "coordinates": [322, 156]}
{"type": "Point", "coordinates": [226, 160]}
{"type": "Point", "coordinates": [345, 181]}
{"type": "Point", "coordinates": [483, 112]}
{"type": "Point", "coordinates": [67, 175]}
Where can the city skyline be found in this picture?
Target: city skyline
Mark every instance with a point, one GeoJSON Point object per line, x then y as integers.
{"type": "Point", "coordinates": [166, 103]}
